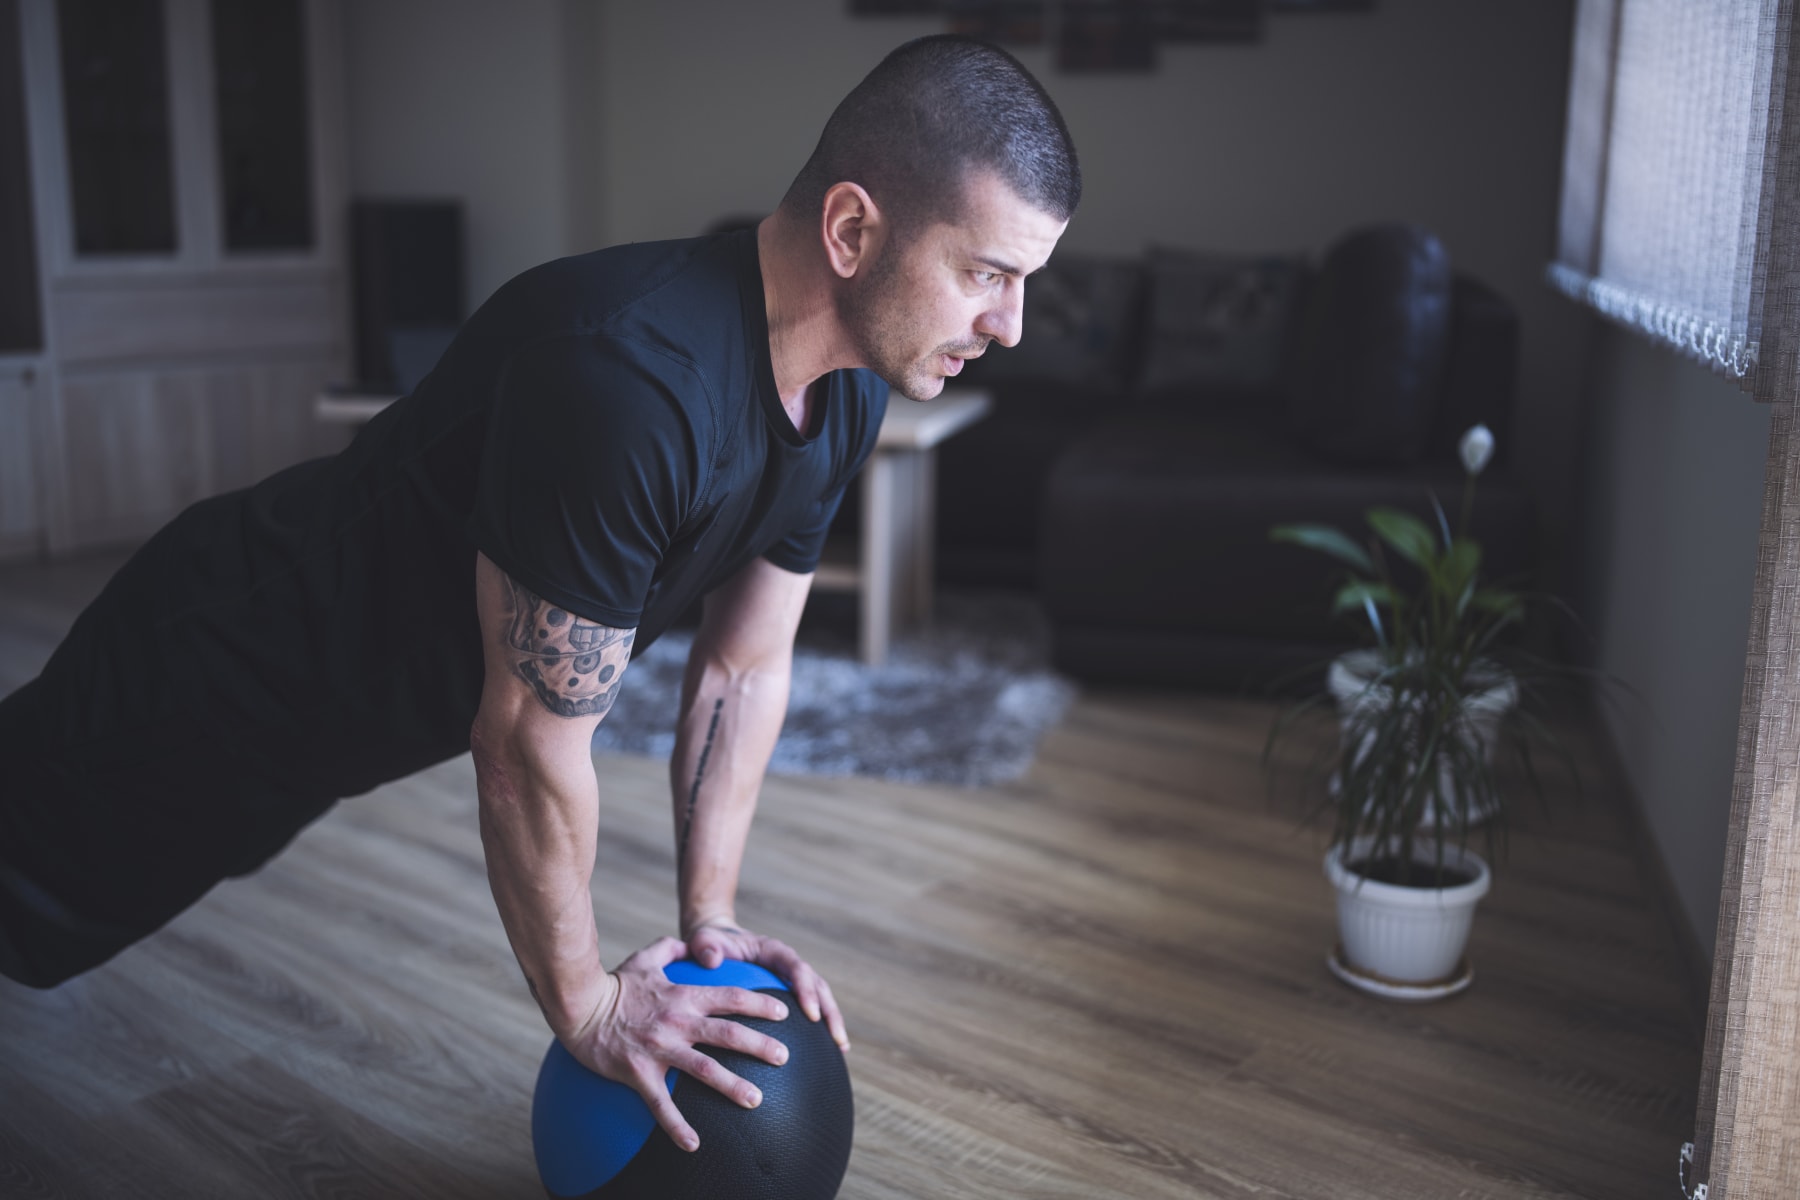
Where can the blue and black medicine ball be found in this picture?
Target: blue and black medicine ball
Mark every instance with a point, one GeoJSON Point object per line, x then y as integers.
{"type": "Point", "coordinates": [595, 1139]}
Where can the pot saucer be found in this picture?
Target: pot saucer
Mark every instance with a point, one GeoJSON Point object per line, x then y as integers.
{"type": "Point", "coordinates": [1394, 989]}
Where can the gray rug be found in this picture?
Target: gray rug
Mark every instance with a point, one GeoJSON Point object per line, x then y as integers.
{"type": "Point", "coordinates": [961, 701]}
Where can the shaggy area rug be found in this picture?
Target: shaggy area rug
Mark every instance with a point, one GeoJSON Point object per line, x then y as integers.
{"type": "Point", "coordinates": [963, 700]}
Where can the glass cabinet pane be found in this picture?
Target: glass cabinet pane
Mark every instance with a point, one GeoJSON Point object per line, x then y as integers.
{"type": "Point", "coordinates": [259, 65]}
{"type": "Point", "coordinates": [116, 120]}
{"type": "Point", "coordinates": [20, 329]}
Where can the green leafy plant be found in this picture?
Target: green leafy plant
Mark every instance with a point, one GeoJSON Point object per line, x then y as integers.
{"type": "Point", "coordinates": [1415, 739]}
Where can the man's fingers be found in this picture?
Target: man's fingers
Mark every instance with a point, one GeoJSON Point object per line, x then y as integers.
{"type": "Point", "coordinates": [807, 986]}
{"type": "Point", "coordinates": [730, 1035]}
{"type": "Point", "coordinates": [810, 988]}
{"type": "Point", "coordinates": [834, 1020]}
{"type": "Point", "coordinates": [662, 952]}
{"type": "Point", "coordinates": [713, 1074]}
{"type": "Point", "coordinates": [743, 1002]}
{"type": "Point", "coordinates": [656, 1096]}
{"type": "Point", "coordinates": [781, 958]}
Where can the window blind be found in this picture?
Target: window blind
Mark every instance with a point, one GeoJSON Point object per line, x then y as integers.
{"type": "Point", "coordinates": [1677, 211]}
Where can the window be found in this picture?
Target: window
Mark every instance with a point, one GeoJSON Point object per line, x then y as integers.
{"type": "Point", "coordinates": [259, 71]}
{"type": "Point", "coordinates": [1675, 178]}
{"type": "Point", "coordinates": [116, 119]}
{"type": "Point", "coordinates": [20, 328]}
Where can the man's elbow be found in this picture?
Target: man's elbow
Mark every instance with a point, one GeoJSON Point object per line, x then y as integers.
{"type": "Point", "coordinates": [517, 758]}
{"type": "Point", "coordinates": [492, 745]}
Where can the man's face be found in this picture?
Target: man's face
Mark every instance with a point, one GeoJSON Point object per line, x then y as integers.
{"type": "Point", "coordinates": [924, 307]}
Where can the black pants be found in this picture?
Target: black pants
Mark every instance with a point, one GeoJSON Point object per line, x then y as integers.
{"type": "Point", "coordinates": [123, 799]}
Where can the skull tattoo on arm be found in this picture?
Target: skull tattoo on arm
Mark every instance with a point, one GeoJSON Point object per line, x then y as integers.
{"type": "Point", "coordinates": [573, 665]}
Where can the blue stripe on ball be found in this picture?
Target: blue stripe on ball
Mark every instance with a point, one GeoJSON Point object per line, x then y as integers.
{"type": "Point", "coordinates": [730, 973]}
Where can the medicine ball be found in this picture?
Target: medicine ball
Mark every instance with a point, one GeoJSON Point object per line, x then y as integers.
{"type": "Point", "coordinates": [595, 1139]}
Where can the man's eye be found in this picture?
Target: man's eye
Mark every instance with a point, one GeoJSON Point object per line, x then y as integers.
{"type": "Point", "coordinates": [986, 277]}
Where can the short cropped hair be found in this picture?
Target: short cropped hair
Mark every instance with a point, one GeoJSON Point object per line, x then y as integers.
{"type": "Point", "coordinates": [931, 114]}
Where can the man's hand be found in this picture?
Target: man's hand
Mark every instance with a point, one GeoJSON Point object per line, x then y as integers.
{"type": "Point", "coordinates": [647, 1025]}
{"type": "Point", "coordinates": [711, 942]}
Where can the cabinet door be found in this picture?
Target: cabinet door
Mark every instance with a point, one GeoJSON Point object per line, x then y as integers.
{"type": "Point", "coordinates": [21, 514]}
{"type": "Point", "coordinates": [21, 329]}
{"type": "Point", "coordinates": [188, 339]}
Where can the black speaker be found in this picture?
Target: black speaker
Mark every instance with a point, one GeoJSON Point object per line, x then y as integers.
{"type": "Point", "coordinates": [406, 261]}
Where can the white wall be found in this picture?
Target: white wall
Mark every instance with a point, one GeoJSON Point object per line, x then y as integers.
{"type": "Point", "coordinates": [1674, 504]}
{"type": "Point", "coordinates": [1445, 113]}
{"type": "Point", "coordinates": [469, 99]}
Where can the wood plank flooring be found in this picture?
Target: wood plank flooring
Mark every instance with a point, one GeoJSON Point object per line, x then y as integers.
{"type": "Point", "coordinates": [1105, 980]}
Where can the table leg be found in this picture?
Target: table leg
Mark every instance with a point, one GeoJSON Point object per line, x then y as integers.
{"type": "Point", "coordinates": [922, 563]}
{"type": "Point", "coordinates": [877, 593]}
{"type": "Point", "coordinates": [898, 512]}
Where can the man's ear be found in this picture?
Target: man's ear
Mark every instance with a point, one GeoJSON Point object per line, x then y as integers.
{"type": "Point", "coordinates": [852, 228]}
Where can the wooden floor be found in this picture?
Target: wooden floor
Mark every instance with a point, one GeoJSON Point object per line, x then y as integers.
{"type": "Point", "coordinates": [1106, 980]}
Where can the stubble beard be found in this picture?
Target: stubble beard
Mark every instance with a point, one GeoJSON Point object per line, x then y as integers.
{"type": "Point", "coordinates": [887, 330]}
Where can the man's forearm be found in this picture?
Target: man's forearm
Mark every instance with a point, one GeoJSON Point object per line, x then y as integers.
{"type": "Point", "coordinates": [729, 723]}
{"type": "Point", "coordinates": [538, 830]}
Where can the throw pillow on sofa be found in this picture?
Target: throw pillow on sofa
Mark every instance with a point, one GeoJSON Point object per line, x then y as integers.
{"type": "Point", "coordinates": [1374, 340]}
{"type": "Point", "coordinates": [1219, 325]}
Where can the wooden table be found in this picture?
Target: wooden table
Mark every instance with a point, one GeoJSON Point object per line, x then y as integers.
{"type": "Point", "coordinates": [891, 567]}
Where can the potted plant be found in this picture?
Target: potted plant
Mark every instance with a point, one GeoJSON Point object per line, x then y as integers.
{"type": "Point", "coordinates": [1422, 710]}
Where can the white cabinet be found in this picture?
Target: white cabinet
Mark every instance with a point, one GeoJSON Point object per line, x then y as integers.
{"type": "Point", "coordinates": [188, 190]}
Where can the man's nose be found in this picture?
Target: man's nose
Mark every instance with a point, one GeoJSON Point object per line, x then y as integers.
{"type": "Point", "coordinates": [1004, 321]}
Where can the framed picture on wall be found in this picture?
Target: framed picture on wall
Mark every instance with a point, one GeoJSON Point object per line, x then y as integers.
{"type": "Point", "coordinates": [898, 8]}
{"type": "Point", "coordinates": [1004, 22]}
{"type": "Point", "coordinates": [1310, 6]}
{"type": "Point", "coordinates": [1208, 20]}
{"type": "Point", "coordinates": [1094, 36]}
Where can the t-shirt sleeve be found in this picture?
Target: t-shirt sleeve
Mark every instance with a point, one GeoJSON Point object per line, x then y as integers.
{"type": "Point", "coordinates": [589, 470]}
{"type": "Point", "coordinates": [799, 551]}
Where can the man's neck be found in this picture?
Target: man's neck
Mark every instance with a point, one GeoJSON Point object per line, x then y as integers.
{"type": "Point", "coordinates": [806, 339]}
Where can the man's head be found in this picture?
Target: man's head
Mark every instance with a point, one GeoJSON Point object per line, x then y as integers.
{"type": "Point", "coordinates": [931, 115]}
{"type": "Point", "coordinates": [939, 183]}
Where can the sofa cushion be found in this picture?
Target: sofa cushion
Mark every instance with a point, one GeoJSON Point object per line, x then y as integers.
{"type": "Point", "coordinates": [1164, 525]}
{"type": "Point", "coordinates": [1374, 338]}
{"type": "Point", "coordinates": [1218, 325]}
{"type": "Point", "coordinates": [1079, 343]}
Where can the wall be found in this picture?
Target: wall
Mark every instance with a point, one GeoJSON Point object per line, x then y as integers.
{"type": "Point", "coordinates": [566, 124]}
{"type": "Point", "coordinates": [1449, 114]}
{"type": "Point", "coordinates": [1673, 489]}
{"type": "Point", "coordinates": [470, 99]}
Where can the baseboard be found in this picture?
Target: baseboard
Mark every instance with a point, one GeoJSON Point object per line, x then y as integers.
{"type": "Point", "coordinates": [1659, 881]}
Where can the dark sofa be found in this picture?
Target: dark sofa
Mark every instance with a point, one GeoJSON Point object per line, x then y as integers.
{"type": "Point", "coordinates": [1161, 414]}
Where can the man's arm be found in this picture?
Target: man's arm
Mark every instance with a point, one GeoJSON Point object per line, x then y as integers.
{"type": "Point", "coordinates": [550, 678]}
{"type": "Point", "coordinates": [733, 700]}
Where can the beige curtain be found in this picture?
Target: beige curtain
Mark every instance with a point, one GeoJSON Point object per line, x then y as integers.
{"type": "Point", "coordinates": [1673, 176]}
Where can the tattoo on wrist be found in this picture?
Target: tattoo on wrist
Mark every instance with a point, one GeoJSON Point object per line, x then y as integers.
{"type": "Point", "coordinates": [574, 666]}
{"type": "Point", "coordinates": [687, 821]}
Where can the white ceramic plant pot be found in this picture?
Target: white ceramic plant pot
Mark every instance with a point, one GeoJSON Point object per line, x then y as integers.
{"type": "Point", "coordinates": [1406, 935]}
{"type": "Point", "coordinates": [1349, 683]}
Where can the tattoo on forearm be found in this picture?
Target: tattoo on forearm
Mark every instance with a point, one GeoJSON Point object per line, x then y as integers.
{"type": "Point", "coordinates": [574, 666]}
{"type": "Point", "coordinates": [687, 822]}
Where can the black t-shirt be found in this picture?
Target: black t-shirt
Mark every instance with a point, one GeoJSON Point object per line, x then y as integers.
{"type": "Point", "coordinates": [606, 429]}
{"type": "Point", "coordinates": [638, 452]}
